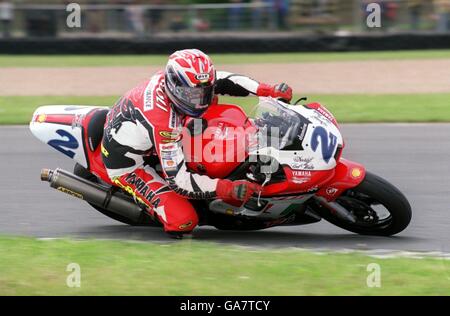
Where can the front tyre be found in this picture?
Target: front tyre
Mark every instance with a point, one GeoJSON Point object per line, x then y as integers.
{"type": "Point", "coordinates": [379, 208]}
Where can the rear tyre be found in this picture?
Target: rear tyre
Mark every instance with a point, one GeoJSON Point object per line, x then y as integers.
{"type": "Point", "coordinates": [145, 219]}
{"type": "Point", "coordinates": [366, 202]}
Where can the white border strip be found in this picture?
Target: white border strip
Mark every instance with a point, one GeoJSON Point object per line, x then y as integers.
{"type": "Point", "coordinates": [374, 253]}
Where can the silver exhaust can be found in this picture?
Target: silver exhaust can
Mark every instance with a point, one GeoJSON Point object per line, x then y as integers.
{"type": "Point", "coordinates": [96, 194]}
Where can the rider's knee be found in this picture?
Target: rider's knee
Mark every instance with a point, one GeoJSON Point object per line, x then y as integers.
{"type": "Point", "coordinates": [186, 224]}
{"type": "Point", "coordinates": [183, 219]}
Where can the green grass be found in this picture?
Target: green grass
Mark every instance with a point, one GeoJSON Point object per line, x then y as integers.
{"type": "Point", "coordinates": [146, 60]}
{"type": "Point", "coordinates": [388, 108]}
{"type": "Point", "coordinates": [33, 267]}
{"type": "Point", "coordinates": [18, 110]}
{"type": "Point", "coordinates": [347, 108]}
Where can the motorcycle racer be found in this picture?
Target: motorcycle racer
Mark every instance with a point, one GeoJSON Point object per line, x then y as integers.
{"type": "Point", "coordinates": [148, 119]}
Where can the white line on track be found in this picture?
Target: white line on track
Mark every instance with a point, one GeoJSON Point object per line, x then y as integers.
{"type": "Point", "coordinates": [374, 253]}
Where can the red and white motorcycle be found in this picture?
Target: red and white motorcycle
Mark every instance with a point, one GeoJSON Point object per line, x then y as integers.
{"type": "Point", "coordinates": [300, 167]}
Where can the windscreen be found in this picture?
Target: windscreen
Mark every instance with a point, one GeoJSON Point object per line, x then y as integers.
{"type": "Point", "coordinates": [278, 126]}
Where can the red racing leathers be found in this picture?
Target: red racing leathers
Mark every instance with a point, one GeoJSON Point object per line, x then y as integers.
{"type": "Point", "coordinates": [141, 124]}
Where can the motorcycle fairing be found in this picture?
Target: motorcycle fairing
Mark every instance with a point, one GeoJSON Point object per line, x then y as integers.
{"type": "Point", "coordinates": [320, 141]}
{"type": "Point", "coordinates": [62, 127]}
{"type": "Point", "coordinates": [271, 208]}
{"type": "Point", "coordinates": [347, 175]}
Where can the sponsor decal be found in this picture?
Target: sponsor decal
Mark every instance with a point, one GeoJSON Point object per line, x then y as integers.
{"type": "Point", "coordinates": [304, 128]}
{"type": "Point", "coordinates": [41, 118]}
{"type": "Point", "coordinates": [325, 113]}
{"type": "Point", "coordinates": [170, 134]}
{"type": "Point", "coordinates": [164, 147]}
{"type": "Point", "coordinates": [300, 177]}
{"type": "Point", "coordinates": [154, 95]}
{"type": "Point", "coordinates": [70, 192]}
{"type": "Point", "coordinates": [148, 96]}
{"type": "Point", "coordinates": [184, 226]}
{"type": "Point", "coordinates": [320, 119]}
{"type": "Point", "coordinates": [301, 173]}
{"type": "Point", "coordinates": [169, 164]}
{"type": "Point", "coordinates": [331, 191]}
{"type": "Point", "coordinates": [169, 156]}
{"type": "Point", "coordinates": [78, 120]}
{"type": "Point", "coordinates": [160, 98]}
{"type": "Point", "coordinates": [168, 141]}
{"type": "Point", "coordinates": [142, 189]}
{"type": "Point", "coordinates": [300, 180]}
{"type": "Point", "coordinates": [174, 121]}
{"type": "Point", "coordinates": [356, 173]}
{"type": "Point", "coordinates": [202, 77]}
{"type": "Point", "coordinates": [229, 211]}
{"type": "Point", "coordinates": [104, 151]}
{"type": "Point", "coordinates": [303, 163]}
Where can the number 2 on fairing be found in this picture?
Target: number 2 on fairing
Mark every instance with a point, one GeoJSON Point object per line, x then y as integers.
{"type": "Point", "coordinates": [327, 140]}
{"type": "Point", "coordinates": [62, 145]}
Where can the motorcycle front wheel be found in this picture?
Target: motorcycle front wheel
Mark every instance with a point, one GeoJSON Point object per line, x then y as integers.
{"type": "Point", "coordinates": [377, 206]}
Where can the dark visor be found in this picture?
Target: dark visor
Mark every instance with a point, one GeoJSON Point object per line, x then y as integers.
{"type": "Point", "coordinates": [195, 97]}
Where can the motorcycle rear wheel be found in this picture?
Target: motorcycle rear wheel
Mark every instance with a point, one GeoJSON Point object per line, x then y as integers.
{"type": "Point", "coordinates": [364, 201]}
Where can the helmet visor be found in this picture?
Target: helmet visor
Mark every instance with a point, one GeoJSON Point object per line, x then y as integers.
{"type": "Point", "coordinates": [195, 97]}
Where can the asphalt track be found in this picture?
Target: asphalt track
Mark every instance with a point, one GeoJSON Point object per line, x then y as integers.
{"type": "Point", "coordinates": [413, 157]}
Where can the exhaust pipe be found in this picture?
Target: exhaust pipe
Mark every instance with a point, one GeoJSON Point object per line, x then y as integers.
{"type": "Point", "coordinates": [93, 193]}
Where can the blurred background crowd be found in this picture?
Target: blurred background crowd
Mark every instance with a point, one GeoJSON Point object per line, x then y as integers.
{"type": "Point", "coordinates": [139, 18]}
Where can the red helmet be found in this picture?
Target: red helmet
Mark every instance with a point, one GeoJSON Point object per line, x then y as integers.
{"type": "Point", "coordinates": [190, 78]}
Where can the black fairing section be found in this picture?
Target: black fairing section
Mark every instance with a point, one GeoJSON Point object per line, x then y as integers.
{"type": "Point", "coordinates": [297, 143]}
{"type": "Point", "coordinates": [95, 128]}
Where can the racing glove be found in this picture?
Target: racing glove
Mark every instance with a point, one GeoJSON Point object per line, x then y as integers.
{"type": "Point", "coordinates": [240, 190]}
{"type": "Point", "coordinates": [280, 91]}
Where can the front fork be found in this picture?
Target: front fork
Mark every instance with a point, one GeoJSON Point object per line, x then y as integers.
{"type": "Point", "coordinates": [347, 175]}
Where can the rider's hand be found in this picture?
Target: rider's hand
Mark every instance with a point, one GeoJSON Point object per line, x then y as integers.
{"type": "Point", "coordinates": [280, 91]}
{"type": "Point", "coordinates": [240, 190]}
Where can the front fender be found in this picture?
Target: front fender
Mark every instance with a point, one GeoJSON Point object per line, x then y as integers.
{"type": "Point", "coordinates": [348, 174]}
